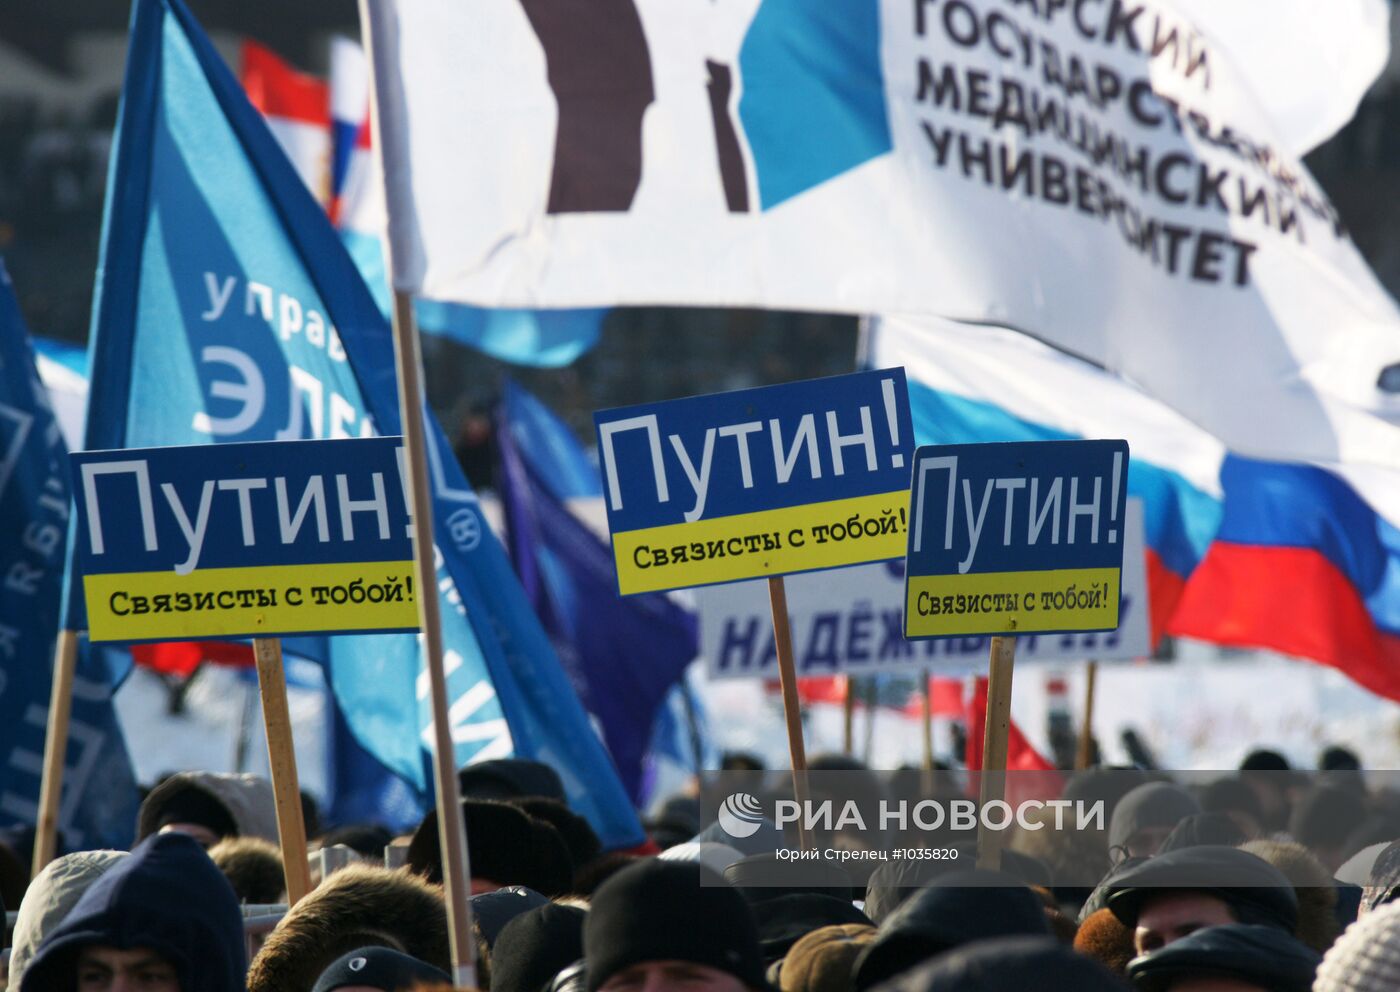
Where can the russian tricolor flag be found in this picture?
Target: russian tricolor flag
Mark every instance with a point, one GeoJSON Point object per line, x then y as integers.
{"type": "Point", "coordinates": [971, 383]}
{"type": "Point", "coordinates": [297, 109]}
{"type": "Point", "coordinates": [1294, 558]}
{"type": "Point", "coordinates": [1306, 562]}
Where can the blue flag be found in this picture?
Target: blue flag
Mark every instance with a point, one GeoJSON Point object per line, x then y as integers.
{"type": "Point", "coordinates": [98, 806]}
{"type": "Point", "coordinates": [227, 310]}
{"type": "Point", "coordinates": [624, 654]}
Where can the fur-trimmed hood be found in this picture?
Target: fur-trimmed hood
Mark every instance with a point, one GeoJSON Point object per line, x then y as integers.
{"type": "Point", "coordinates": [359, 906]}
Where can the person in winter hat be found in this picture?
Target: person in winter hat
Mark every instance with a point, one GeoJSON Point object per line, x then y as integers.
{"type": "Point", "coordinates": [1169, 896]}
{"type": "Point", "coordinates": [359, 906]}
{"type": "Point", "coordinates": [825, 959]}
{"type": "Point", "coordinates": [1006, 963]}
{"type": "Point", "coordinates": [1145, 817]}
{"type": "Point", "coordinates": [1312, 884]}
{"type": "Point", "coordinates": [659, 925]}
{"type": "Point", "coordinates": [210, 806]}
{"type": "Point", "coordinates": [253, 867]}
{"type": "Point", "coordinates": [1239, 957]}
{"type": "Point", "coordinates": [1104, 938]}
{"type": "Point", "coordinates": [956, 909]}
{"type": "Point", "coordinates": [52, 896]}
{"type": "Point", "coordinates": [536, 946]}
{"type": "Point", "coordinates": [1366, 957]}
{"type": "Point", "coordinates": [377, 969]}
{"type": "Point", "coordinates": [162, 920]}
{"type": "Point", "coordinates": [505, 846]}
{"type": "Point", "coordinates": [783, 921]}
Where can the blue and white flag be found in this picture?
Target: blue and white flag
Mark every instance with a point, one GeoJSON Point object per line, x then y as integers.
{"type": "Point", "coordinates": [227, 310]}
{"type": "Point", "coordinates": [1121, 180]}
{"type": "Point", "coordinates": [625, 655]}
{"type": "Point", "coordinates": [98, 806]}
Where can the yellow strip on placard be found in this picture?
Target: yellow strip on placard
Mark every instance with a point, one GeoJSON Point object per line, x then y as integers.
{"type": "Point", "coordinates": [251, 602]}
{"type": "Point", "coordinates": [1081, 599]}
{"type": "Point", "coordinates": [769, 542]}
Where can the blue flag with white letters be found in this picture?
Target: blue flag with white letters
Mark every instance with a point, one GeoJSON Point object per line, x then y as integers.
{"type": "Point", "coordinates": [99, 802]}
{"type": "Point", "coordinates": [227, 310]}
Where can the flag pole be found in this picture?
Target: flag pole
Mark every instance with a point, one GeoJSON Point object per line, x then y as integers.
{"type": "Point", "coordinates": [926, 679]}
{"type": "Point", "coordinates": [65, 664]}
{"type": "Point", "coordinates": [994, 746]}
{"type": "Point", "coordinates": [1084, 755]}
{"type": "Point", "coordinates": [848, 716]}
{"type": "Point", "coordinates": [282, 763]}
{"type": "Point", "coordinates": [787, 679]}
{"type": "Point", "coordinates": [408, 362]}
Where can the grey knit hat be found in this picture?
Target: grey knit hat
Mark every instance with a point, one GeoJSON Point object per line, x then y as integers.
{"type": "Point", "coordinates": [1366, 958]}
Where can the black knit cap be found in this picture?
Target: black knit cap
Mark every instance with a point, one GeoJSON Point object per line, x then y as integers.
{"type": "Point", "coordinates": [1255, 890]}
{"type": "Point", "coordinates": [1262, 956]}
{"type": "Point", "coordinates": [670, 911]}
{"type": "Point", "coordinates": [536, 946]}
{"type": "Point", "coordinates": [378, 968]}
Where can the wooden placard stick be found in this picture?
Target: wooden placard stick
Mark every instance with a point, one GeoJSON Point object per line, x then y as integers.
{"type": "Point", "coordinates": [994, 747]}
{"type": "Point", "coordinates": [787, 679]}
{"type": "Point", "coordinates": [282, 762]}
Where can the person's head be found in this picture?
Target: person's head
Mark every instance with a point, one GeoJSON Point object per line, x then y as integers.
{"type": "Point", "coordinates": [1103, 937]}
{"type": "Point", "coordinates": [1365, 957]}
{"type": "Point", "coordinates": [1236, 800]}
{"type": "Point", "coordinates": [51, 896]}
{"type": "Point", "coordinates": [1175, 894]}
{"type": "Point", "coordinates": [376, 969]}
{"type": "Point", "coordinates": [1231, 956]}
{"type": "Point", "coordinates": [1171, 914]}
{"type": "Point", "coordinates": [1324, 820]}
{"type": "Point", "coordinates": [510, 778]}
{"type": "Point", "coordinates": [740, 761]}
{"type": "Point", "coordinates": [955, 909]}
{"type": "Point", "coordinates": [576, 832]}
{"type": "Point", "coordinates": [209, 806]}
{"type": "Point", "coordinates": [102, 968]}
{"type": "Point", "coordinates": [1201, 829]}
{"type": "Point", "coordinates": [665, 925]}
{"type": "Point", "coordinates": [1022, 962]}
{"type": "Point", "coordinates": [505, 846]}
{"type": "Point", "coordinates": [825, 959]}
{"type": "Point", "coordinates": [1145, 817]}
{"type": "Point", "coordinates": [253, 867]}
{"type": "Point", "coordinates": [536, 946]}
{"type": "Point", "coordinates": [358, 906]}
{"type": "Point", "coordinates": [366, 839]}
{"type": "Point", "coordinates": [1335, 758]}
{"type": "Point", "coordinates": [785, 920]}
{"type": "Point", "coordinates": [1269, 775]}
{"type": "Point", "coordinates": [163, 919]}
{"type": "Point", "coordinates": [1312, 884]}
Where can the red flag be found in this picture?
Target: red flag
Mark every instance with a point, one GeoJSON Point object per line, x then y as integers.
{"type": "Point", "coordinates": [1020, 755]}
{"type": "Point", "coordinates": [183, 657]}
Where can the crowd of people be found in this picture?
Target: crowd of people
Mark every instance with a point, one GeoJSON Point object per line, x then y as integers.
{"type": "Point", "coordinates": [1264, 879]}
